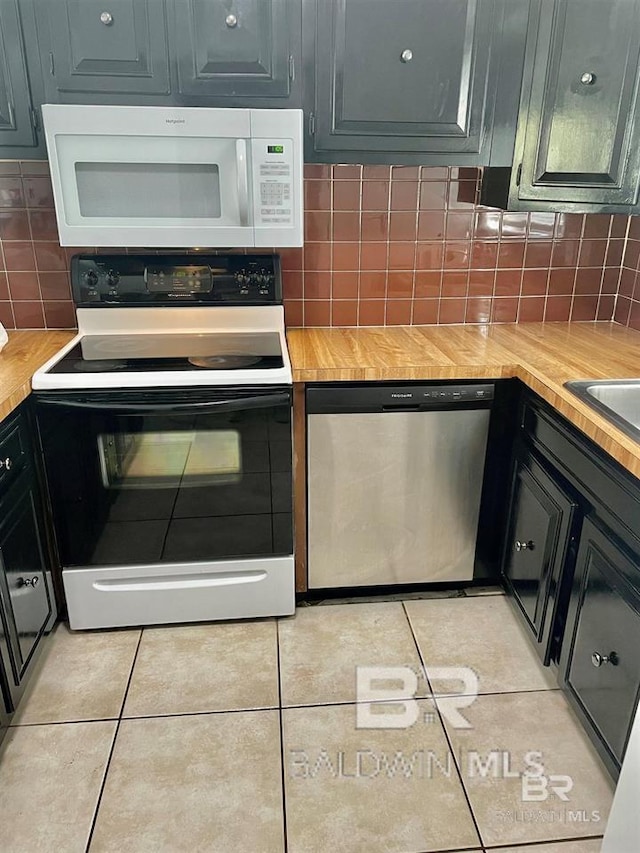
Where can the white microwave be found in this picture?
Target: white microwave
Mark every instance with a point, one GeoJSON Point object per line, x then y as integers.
{"type": "Point", "coordinates": [175, 177]}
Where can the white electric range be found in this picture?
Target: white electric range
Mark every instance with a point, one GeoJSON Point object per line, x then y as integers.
{"type": "Point", "coordinates": [165, 426]}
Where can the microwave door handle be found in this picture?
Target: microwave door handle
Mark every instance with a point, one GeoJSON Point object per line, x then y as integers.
{"type": "Point", "coordinates": [243, 181]}
{"type": "Point", "coordinates": [212, 406]}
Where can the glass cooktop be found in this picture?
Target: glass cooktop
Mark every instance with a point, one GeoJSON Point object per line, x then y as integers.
{"type": "Point", "coordinates": [168, 352]}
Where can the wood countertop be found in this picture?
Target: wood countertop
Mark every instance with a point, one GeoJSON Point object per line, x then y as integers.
{"type": "Point", "coordinates": [19, 360]}
{"type": "Point", "coordinates": [543, 355]}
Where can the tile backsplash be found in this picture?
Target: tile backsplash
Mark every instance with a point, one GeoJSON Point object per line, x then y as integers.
{"type": "Point", "coordinates": [399, 245]}
{"type": "Point", "coordinates": [34, 277]}
{"type": "Point", "coordinates": [628, 305]}
{"type": "Point", "coordinates": [384, 245]}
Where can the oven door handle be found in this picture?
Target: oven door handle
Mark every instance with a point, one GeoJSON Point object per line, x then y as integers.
{"type": "Point", "coordinates": [233, 405]}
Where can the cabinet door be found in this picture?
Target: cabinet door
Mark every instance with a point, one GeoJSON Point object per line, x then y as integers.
{"type": "Point", "coordinates": [577, 138]}
{"type": "Point", "coordinates": [235, 48]}
{"type": "Point", "coordinates": [16, 116]}
{"type": "Point", "coordinates": [110, 47]}
{"type": "Point", "coordinates": [600, 662]}
{"type": "Point", "coordinates": [412, 75]}
{"type": "Point", "coordinates": [540, 527]}
{"type": "Point", "coordinates": [25, 601]}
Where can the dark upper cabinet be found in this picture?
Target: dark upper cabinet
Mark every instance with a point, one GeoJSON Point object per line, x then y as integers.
{"type": "Point", "coordinates": [578, 137]}
{"type": "Point", "coordinates": [230, 50]}
{"type": "Point", "coordinates": [600, 662]}
{"type": "Point", "coordinates": [542, 519]}
{"type": "Point", "coordinates": [411, 77]}
{"type": "Point", "coordinates": [103, 51]}
{"type": "Point", "coordinates": [17, 119]}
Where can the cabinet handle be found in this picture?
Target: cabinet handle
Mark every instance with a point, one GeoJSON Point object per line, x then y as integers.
{"type": "Point", "coordinates": [597, 659]}
{"type": "Point", "coordinates": [406, 56]}
{"type": "Point", "coordinates": [231, 20]}
{"type": "Point", "coordinates": [28, 581]}
{"type": "Point", "coordinates": [525, 546]}
{"type": "Point", "coordinates": [588, 78]}
{"type": "Point", "coordinates": [106, 18]}
{"type": "Point", "coordinates": [6, 464]}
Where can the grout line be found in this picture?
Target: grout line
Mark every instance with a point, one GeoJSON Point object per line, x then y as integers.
{"type": "Point", "coordinates": [533, 845]}
{"type": "Point", "coordinates": [616, 295]}
{"type": "Point", "coordinates": [415, 245]}
{"type": "Point", "coordinates": [282, 758]}
{"type": "Point", "coordinates": [388, 243]}
{"type": "Point", "coordinates": [211, 713]}
{"type": "Point", "coordinates": [444, 729]}
{"type": "Point", "coordinates": [63, 722]}
{"type": "Point", "coordinates": [113, 744]}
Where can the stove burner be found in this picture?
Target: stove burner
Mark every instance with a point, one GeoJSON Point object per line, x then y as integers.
{"type": "Point", "coordinates": [98, 366]}
{"type": "Point", "coordinates": [224, 362]}
{"type": "Point", "coordinates": [126, 345]}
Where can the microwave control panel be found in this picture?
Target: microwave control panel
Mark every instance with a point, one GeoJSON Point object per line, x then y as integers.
{"type": "Point", "coordinates": [272, 169]}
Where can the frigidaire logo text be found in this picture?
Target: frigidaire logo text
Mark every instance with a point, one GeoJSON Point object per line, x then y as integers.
{"type": "Point", "coordinates": [402, 395]}
{"type": "Point", "coordinates": [175, 120]}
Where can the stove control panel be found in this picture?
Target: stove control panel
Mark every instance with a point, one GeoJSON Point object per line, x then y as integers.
{"type": "Point", "coordinates": [254, 279]}
{"type": "Point", "coordinates": [104, 280]}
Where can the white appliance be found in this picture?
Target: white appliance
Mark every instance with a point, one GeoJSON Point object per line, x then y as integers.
{"type": "Point", "coordinates": [175, 177]}
{"type": "Point", "coordinates": [165, 426]}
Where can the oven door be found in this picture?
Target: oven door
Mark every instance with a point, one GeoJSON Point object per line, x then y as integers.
{"type": "Point", "coordinates": [167, 495]}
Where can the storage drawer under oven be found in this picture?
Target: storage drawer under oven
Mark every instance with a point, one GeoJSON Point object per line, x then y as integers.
{"type": "Point", "coordinates": [119, 596]}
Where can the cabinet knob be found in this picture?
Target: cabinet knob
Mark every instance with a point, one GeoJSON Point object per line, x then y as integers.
{"type": "Point", "coordinates": [6, 464]}
{"type": "Point", "coordinates": [106, 18]}
{"type": "Point", "coordinates": [588, 78]}
{"type": "Point", "coordinates": [525, 546]}
{"type": "Point", "coordinates": [28, 581]}
{"type": "Point", "coordinates": [231, 20]}
{"type": "Point", "coordinates": [406, 56]}
{"type": "Point", "coordinates": [597, 659]}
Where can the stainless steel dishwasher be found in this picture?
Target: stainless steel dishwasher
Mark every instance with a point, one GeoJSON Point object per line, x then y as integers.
{"type": "Point", "coordinates": [394, 479]}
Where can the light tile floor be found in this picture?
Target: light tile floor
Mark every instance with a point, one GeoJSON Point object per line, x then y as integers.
{"type": "Point", "coordinates": [248, 737]}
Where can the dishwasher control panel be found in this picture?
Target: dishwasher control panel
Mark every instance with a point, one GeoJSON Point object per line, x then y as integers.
{"type": "Point", "coordinates": [382, 397]}
{"type": "Point", "coordinates": [465, 393]}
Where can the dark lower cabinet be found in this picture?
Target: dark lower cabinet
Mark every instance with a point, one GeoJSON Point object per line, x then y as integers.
{"type": "Point", "coordinates": [27, 606]}
{"type": "Point", "coordinates": [4, 719]}
{"type": "Point", "coordinates": [600, 663]}
{"type": "Point", "coordinates": [543, 520]}
{"type": "Point", "coordinates": [27, 603]}
{"type": "Point", "coordinates": [572, 567]}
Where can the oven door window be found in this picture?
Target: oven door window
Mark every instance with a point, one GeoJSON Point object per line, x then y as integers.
{"type": "Point", "coordinates": [170, 460]}
{"type": "Point", "coordinates": [131, 489]}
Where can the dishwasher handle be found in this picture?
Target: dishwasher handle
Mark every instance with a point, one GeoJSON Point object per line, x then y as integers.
{"type": "Point", "coordinates": [402, 407]}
